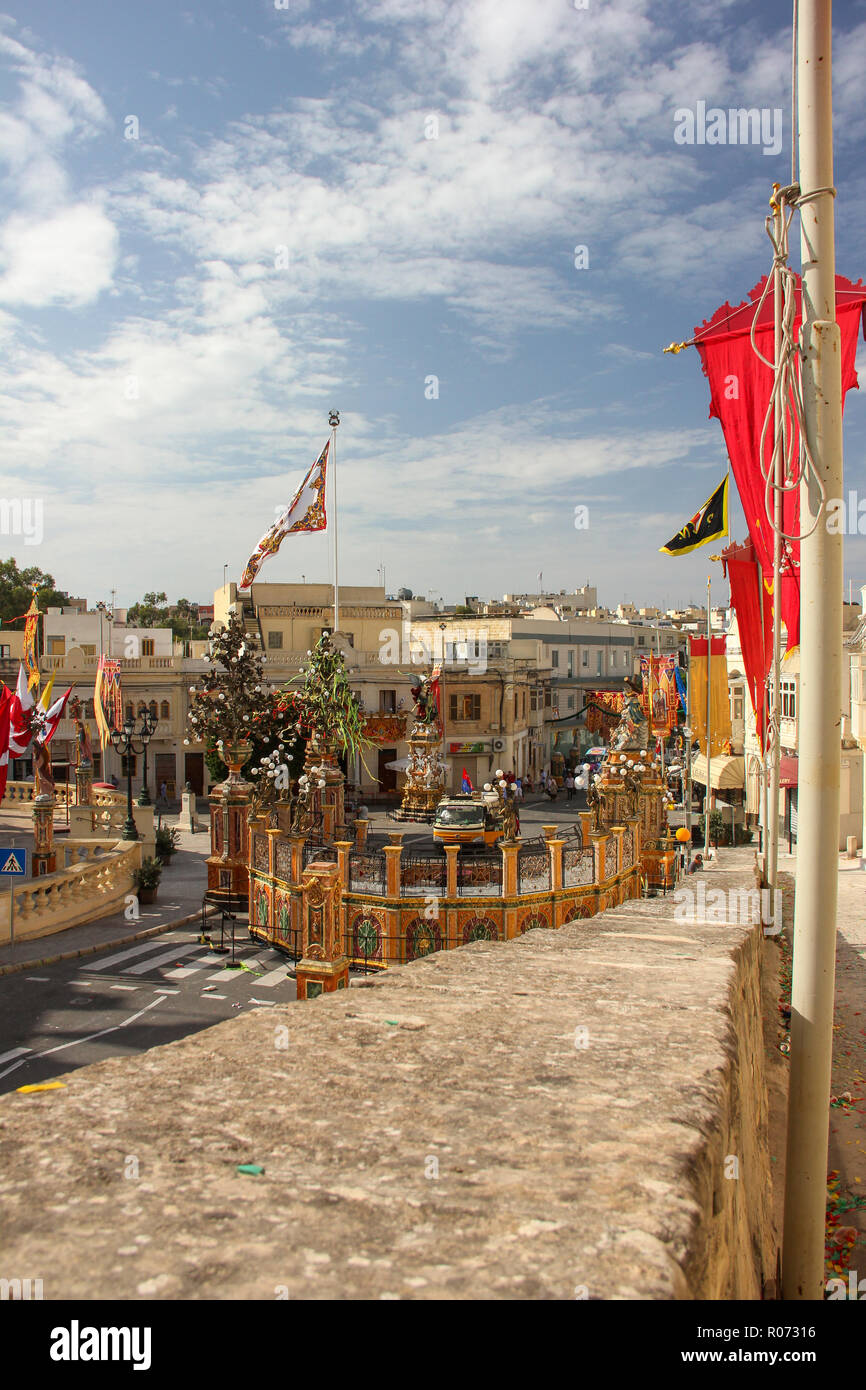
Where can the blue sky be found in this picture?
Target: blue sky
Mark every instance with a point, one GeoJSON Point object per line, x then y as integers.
{"type": "Point", "coordinates": [328, 204]}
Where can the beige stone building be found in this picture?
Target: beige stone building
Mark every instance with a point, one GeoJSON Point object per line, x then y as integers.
{"type": "Point", "coordinates": [156, 673]}
{"type": "Point", "coordinates": [852, 727]}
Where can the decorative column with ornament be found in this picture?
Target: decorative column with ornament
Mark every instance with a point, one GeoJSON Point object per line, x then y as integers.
{"type": "Point", "coordinates": [229, 708]}
{"type": "Point", "coordinates": [425, 775]}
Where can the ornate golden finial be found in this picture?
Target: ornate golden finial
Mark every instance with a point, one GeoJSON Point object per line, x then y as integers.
{"type": "Point", "coordinates": [675, 347]}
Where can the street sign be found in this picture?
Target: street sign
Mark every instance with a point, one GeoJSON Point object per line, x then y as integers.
{"type": "Point", "coordinates": [13, 861]}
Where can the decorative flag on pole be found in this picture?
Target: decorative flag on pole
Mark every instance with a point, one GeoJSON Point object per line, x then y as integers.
{"type": "Point", "coordinates": [720, 709]}
{"type": "Point", "coordinates": [467, 782]}
{"type": "Point", "coordinates": [6, 698]}
{"type": "Point", "coordinates": [306, 512]}
{"type": "Point", "coordinates": [50, 718]}
{"type": "Point", "coordinates": [20, 715]}
{"type": "Point", "coordinates": [706, 525]}
{"type": "Point", "coordinates": [107, 699]}
{"type": "Point", "coordinates": [31, 656]}
{"type": "Point", "coordinates": [740, 390]}
{"type": "Point", "coordinates": [753, 604]}
{"type": "Point", "coordinates": [659, 698]}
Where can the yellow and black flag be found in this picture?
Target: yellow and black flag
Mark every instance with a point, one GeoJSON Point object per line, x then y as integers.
{"type": "Point", "coordinates": [706, 525]}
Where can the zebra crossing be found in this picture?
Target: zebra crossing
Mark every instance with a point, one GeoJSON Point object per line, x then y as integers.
{"type": "Point", "coordinates": [185, 959]}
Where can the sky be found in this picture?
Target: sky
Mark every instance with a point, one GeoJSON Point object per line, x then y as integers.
{"type": "Point", "coordinates": [220, 222]}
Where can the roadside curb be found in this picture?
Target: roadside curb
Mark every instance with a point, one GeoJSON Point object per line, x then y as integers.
{"type": "Point", "coordinates": [14, 966]}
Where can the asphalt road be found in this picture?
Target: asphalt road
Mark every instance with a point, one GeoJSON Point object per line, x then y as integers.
{"type": "Point", "coordinates": [126, 999]}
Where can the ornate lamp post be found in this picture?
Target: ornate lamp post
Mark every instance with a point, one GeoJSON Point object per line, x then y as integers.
{"type": "Point", "coordinates": [123, 742]}
{"type": "Point", "coordinates": [148, 723]}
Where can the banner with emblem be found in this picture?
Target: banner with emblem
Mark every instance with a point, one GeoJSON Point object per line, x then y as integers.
{"type": "Point", "coordinates": [306, 512]}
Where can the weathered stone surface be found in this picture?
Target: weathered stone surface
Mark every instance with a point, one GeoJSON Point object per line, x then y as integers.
{"type": "Point", "coordinates": [442, 1132]}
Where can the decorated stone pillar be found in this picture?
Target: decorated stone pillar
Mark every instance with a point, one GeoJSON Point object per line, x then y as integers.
{"type": "Point", "coordinates": [554, 847]}
{"type": "Point", "coordinates": [84, 784]}
{"type": "Point", "coordinates": [229, 807]}
{"type": "Point", "coordinates": [598, 838]}
{"type": "Point", "coordinates": [451, 853]}
{"type": "Point", "coordinates": [330, 799]}
{"type": "Point", "coordinates": [362, 825]}
{"type": "Point", "coordinates": [323, 967]}
{"type": "Point", "coordinates": [344, 849]}
{"type": "Point", "coordinates": [44, 853]}
{"type": "Point", "coordinates": [509, 853]}
{"type": "Point", "coordinates": [392, 870]}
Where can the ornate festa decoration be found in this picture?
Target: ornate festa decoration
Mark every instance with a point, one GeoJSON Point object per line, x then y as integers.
{"type": "Point", "coordinates": [425, 774]}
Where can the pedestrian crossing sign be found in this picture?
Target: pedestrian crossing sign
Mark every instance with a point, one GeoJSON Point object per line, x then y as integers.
{"type": "Point", "coordinates": [13, 861]}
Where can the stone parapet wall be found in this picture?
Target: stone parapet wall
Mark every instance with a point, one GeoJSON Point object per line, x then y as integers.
{"type": "Point", "coordinates": [548, 1118]}
{"type": "Point", "coordinates": [94, 882]}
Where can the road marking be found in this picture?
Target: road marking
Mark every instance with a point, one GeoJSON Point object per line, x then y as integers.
{"type": "Point", "coordinates": [160, 960]}
{"type": "Point", "coordinates": [200, 961]}
{"type": "Point", "coordinates": [101, 1034]}
{"type": "Point", "coordinates": [132, 987]}
{"type": "Point", "coordinates": [161, 989]}
{"type": "Point", "coordinates": [125, 955]}
{"type": "Point", "coordinates": [273, 977]}
{"type": "Point", "coordinates": [16, 1052]}
{"type": "Point", "coordinates": [75, 1042]}
{"type": "Point", "coordinates": [268, 1003]}
{"type": "Point", "coordinates": [43, 979]}
{"type": "Point", "coordinates": [214, 996]}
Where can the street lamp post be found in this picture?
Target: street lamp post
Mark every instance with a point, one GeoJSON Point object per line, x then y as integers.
{"type": "Point", "coordinates": [148, 724]}
{"type": "Point", "coordinates": [123, 742]}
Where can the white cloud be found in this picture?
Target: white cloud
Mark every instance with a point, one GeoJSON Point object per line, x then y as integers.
{"type": "Point", "coordinates": [67, 258]}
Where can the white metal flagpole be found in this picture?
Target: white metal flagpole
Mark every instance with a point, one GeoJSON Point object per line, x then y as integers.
{"type": "Point", "coordinates": [821, 590]}
{"type": "Point", "coordinates": [333, 421]}
{"type": "Point", "coordinates": [771, 858]}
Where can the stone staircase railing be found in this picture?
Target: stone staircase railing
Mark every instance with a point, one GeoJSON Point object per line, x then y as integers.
{"type": "Point", "coordinates": [96, 880]}
{"type": "Point", "coordinates": [21, 792]}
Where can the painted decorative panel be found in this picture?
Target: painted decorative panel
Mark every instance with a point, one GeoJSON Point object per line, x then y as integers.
{"type": "Point", "coordinates": [578, 867]}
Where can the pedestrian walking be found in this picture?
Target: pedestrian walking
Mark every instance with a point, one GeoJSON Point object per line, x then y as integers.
{"type": "Point", "coordinates": [527, 784]}
{"type": "Point", "coordinates": [518, 788]}
{"type": "Point", "coordinates": [569, 787]}
{"type": "Point", "coordinates": [163, 792]}
{"type": "Point", "coordinates": [543, 780]}
{"type": "Point", "coordinates": [552, 787]}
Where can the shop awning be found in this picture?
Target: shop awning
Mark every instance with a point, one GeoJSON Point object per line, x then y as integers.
{"type": "Point", "coordinates": [726, 772]}
{"type": "Point", "coordinates": [788, 771]}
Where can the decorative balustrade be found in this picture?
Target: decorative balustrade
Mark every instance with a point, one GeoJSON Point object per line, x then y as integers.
{"type": "Point", "coordinates": [22, 792]}
{"type": "Point", "coordinates": [396, 905]}
{"type": "Point", "coordinates": [96, 880]}
{"type": "Point", "coordinates": [420, 876]}
{"type": "Point", "coordinates": [533, 871]}
{"type": "Point", "coordinates": [367, 873]}
{"type": "Point", "coordinates": [479, 875]}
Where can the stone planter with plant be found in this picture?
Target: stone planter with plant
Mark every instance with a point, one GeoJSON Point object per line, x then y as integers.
{"type": "Point", "coordinates": [167, 841]}
{"type": "Point", "coordinates": [146, 880]}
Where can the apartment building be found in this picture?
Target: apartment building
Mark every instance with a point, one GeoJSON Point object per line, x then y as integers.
{"type": "Point", "coordinates": [516, 686]}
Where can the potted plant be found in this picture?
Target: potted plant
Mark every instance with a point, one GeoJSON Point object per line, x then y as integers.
{"type": "Point", "coordinates": [146, 880]}
{"type": "Point", "coordinates": [167, 841]}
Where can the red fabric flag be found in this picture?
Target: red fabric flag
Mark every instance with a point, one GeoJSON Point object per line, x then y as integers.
{"type": "Point", "coordinates": [753, 606]}
{"type": "Point", "coordinates": [5, 712]}
{"type": "Point", "coordinates": [467, 782]}
{"type": "Point", "coordinates": [740, 390]}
